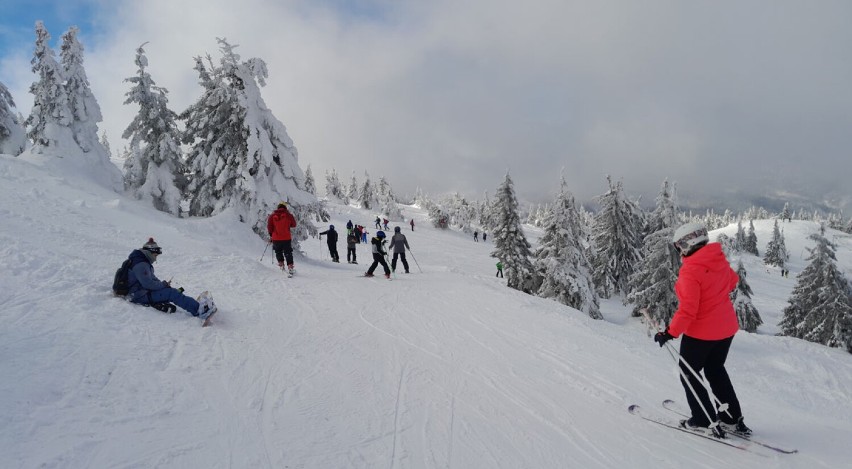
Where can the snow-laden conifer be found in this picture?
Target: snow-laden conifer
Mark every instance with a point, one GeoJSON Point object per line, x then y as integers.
{"type": "Point", "coordinates": [156, 169]}
{"type": "Point", "coordinates": [85, 111]}
{"type": "Point", "coordinates": [386, 201]}
{"type": "Point", "coordinates": [333, 188]}
{"type": "Point", "coordinates": [510, 245]}
{"type": "Point", "coordinates": [616, 240]}
{"type": "Point", "coordinates": [310, 184]}
{"type": "Point", "coordinates": [820, 307]}
{"type": "Point", "coordinates": [50, 118]}
{"type": "Point", "coordinates": [776, 250]}
{"type": "Point", "coordinates": [652, 283]}
{"type": "Point", "coordinates": [64, 119]}
{"type": "Point", "coordinates": [13, 137]}
{"type": "Point", "coordinates": [740, 237]}
{"type": "Point", "coordinates": [353, 188]}
{"type": "Point", "coordinates": [241, 156]}
{"type": "Point", "coordinates": [751, 240]}
{"type": "Point", "coordinates": [560, 259]}
{"type": "Point", "coordinates": [747, 315]}
{"type": "Point", "coordinates": [366, 194]}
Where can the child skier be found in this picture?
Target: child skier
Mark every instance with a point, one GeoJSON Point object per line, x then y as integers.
{"type": "Point", "coordinates": [379, 254]}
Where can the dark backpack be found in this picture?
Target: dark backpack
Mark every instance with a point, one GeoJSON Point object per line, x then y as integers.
{"type": "Point", "coordinates": [121, 282]}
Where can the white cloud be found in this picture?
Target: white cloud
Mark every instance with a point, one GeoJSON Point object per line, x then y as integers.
{"type": "Point", "coordinates": [448, 95]}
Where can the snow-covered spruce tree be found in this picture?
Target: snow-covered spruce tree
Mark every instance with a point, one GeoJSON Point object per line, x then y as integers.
{"type": "Point", "coordinates": [105, 143]}
{"type": "Point", "coordinates": [241, 156]}
{"type": "Point", "coordinates": [85, 111]}
{"type": "Point", "coordinates": [652, 284]}
{"type": "Point", "coordinates": [65, 112]}
{"type": "Point", "coordinates": [158, 169]}
{"type": "Point", "coordinates": [353, 189]}
{"type": "Point", "coordinates": [751, 240]}
{"type": "Point", "coordinates": [310, 185]}
{"type": "Point", "coordinates": [366, 195]}
{"type": "Point", "coordinates": [50, 118]}
{"type": "Point", "coordinates": [747, 314]}
{"type": "Point", "coordinates": [387, 201]}
{"type": "Point", "coordinates": [820, 306]}
{"type": "Point", "coordinates": [616, 240]}
{"type": "Point", "coordinates": [333, 189]}
{"type": "Point", "coordinates": [740, 237]}
{"type": "Point", "coordinates": [560, 259]}
{"type": "Point", "coordinates": [785, 213]}
{"type": "Point", "coordinates": [510, 245]}
{"type": "Point", "coordinates": [13, 137]}
{"type": "Point", "coordinates": [776, 251]}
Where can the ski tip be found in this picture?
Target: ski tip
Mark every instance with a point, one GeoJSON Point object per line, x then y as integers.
{"type": "Point", "coordinates": [668, 402]}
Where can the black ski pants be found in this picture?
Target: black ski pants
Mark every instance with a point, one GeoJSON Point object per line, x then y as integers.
{"type": "Point", "coordinates": [401, 255]}
{"type": "Point", "coordinates": [332, 251]}
{"type": "Point", "coordinates": [350, 254]}
{"type": "Point", "coordinates": [379, 259]}
{"type": "Point", "coordinates": [708, 356]}
{"type": "Point", "coordinates": [283, 249]}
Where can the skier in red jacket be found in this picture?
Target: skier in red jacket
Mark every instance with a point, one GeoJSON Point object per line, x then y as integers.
{"type": "Point", "coordinates": [708, 322]}
{"type": "Point", "coordinates": [278, 226]}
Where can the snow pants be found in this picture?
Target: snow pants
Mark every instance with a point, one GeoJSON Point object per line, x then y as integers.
{"type": "Point", "coordinates": [401, 255]}
{"type": "Point", "coordinates": [379, 259]}
{"type": "Point", "coordinates": [169, 295]}
{"type": "Point", "coordinates": [709, 356]}
{"type": "Point", "coordinates": [332, 251]}
{"type": "Point", "coordinates": [283, 249]}
{"type": "Point", "coordinates": [350, 254]}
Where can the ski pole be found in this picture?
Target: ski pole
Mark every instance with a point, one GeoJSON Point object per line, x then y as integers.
{"type": "Point", "coordinates": [264, 250]}
{"type": "Point", "coordinates": [678, 358]}
{"type": "Point", "coordinates": [415, 260]}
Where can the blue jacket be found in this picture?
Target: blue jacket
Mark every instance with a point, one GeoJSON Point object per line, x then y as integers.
{"type": "Point", "coordinates": [141, 278]}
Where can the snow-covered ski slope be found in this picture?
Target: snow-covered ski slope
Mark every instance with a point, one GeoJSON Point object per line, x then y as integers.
{"type": "Point", "coordinates": [446, 368]}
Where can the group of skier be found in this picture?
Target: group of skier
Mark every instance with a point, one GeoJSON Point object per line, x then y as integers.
{"type": "Point", "coordinates": [705, 316]}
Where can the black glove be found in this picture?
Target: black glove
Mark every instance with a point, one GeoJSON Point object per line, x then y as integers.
{"type": "Point", "coordinates": [662, 337]}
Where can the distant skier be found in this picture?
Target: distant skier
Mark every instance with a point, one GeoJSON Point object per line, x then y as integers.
{"type": "Point", "coordinates": [385, 222]}
{"type": "Point", "coordinates": [708, 322]}
{"type": "Point", "coordinates": [331, 240]}
{"type": "Point", "coordinates": [412, 224]}
{"type": "Point", "coordinates": [399, 244]}
{"type": "Point", "coordinates": [499, 269]}
{"type": "Point", "coordinates": [146, 289]}
{"type": "Point", "coordinates": [476, 236]}
{"type": "Point", "coordinates": [349, 226]}
{"type": "Point", "coordinates": [378, 223]}
{"type": "Point", "coordinates": [379, 254]}
{"type": "Point", "coordinates": [351, 242]}
{"type": "Point", "coordinates": [484, 236]}
{"type": "Point", "coordinates": [364, 235]}
{"type": "Point", "coordinates": [278, 226]}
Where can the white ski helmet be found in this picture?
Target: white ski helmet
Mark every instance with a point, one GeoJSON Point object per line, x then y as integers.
{"type": "Point", "coordinates": [689, 237]}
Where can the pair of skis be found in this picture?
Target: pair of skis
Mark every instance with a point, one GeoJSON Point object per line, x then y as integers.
{"type": "Point", "coordinates": [742, 442]}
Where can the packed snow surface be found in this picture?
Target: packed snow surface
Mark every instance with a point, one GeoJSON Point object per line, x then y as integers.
{"type": "Point", "coordinates": [444, 367]}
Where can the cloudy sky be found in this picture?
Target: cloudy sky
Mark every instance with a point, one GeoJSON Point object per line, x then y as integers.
{"type": "Point", "coordinates": [449, 95]}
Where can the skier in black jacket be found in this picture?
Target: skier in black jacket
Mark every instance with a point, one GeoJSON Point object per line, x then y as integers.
{"type": "Point", "coordinates": [379, 254]}
{"type": "Point", "coordinates": [332, 242]}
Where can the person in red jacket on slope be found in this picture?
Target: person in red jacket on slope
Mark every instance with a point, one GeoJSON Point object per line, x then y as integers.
{"type": "Point", "coordinates": [708, 322]}
{"type": "Point", "coordinates": [278, 226]}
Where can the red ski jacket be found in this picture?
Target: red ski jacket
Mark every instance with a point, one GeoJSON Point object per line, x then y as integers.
{"type": "Point", "coordinates": [279, 223]}
{"type": "Point", "coordinates": [703, 289]}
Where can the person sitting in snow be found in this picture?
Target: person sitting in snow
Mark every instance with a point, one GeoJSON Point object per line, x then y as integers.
{"type": "Point", "coordinates": [145, 288]}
